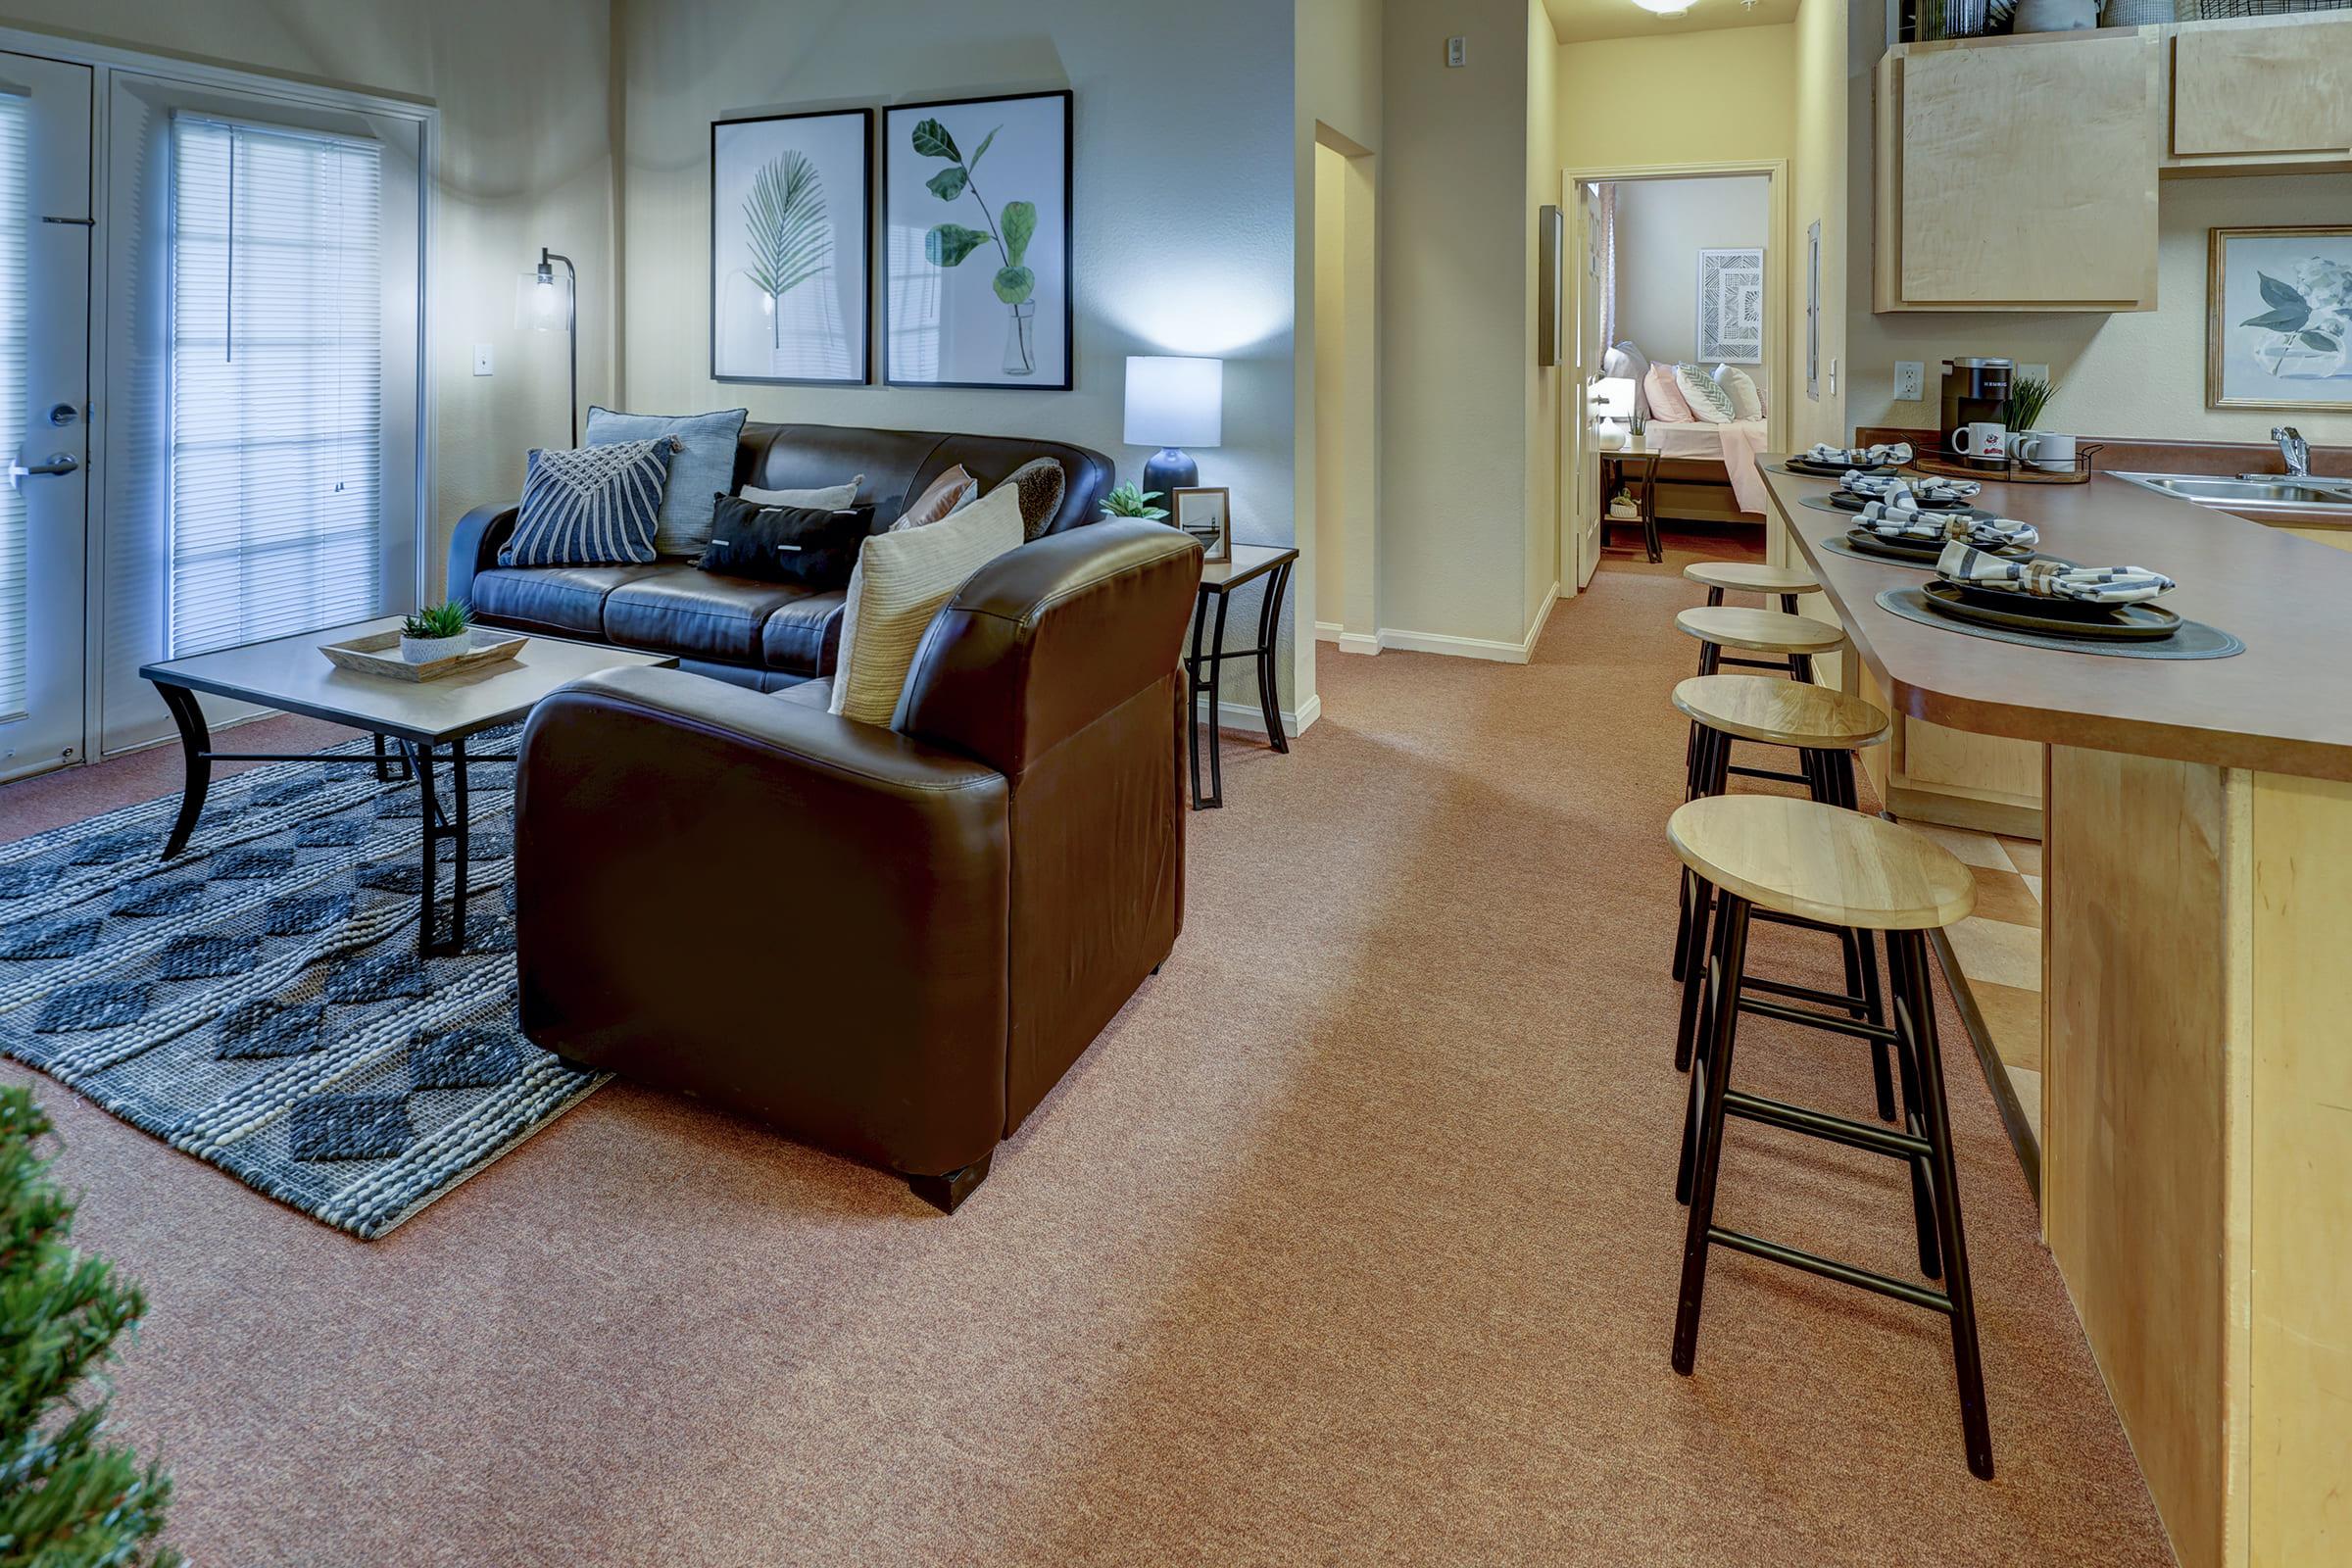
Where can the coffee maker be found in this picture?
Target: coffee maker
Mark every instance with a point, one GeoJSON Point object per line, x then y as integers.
{"type": "Point", "coordinates": [1975, 391]}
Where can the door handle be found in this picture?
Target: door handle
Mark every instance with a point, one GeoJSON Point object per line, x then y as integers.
{"type": "Point", "coordinates": [60, 463]}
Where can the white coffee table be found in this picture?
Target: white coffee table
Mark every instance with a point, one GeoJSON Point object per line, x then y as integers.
{"type": "Point", "coordinates": [428, 721]}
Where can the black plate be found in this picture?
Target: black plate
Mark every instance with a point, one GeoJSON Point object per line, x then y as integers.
{"type": "Point", "coordinates": [1849, 501]}
{"type": "Point", "coordinates": [1800, 465]}
{"type": "Point", "coordinates": [1923, 551]}
{"type": "Point", "coordinates": [1992, 606]}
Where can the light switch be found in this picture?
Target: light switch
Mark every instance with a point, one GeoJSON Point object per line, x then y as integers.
{"type": "Point", "coordinates": [1457, 50]}
{"type": "Point", "coordinates": [481, 359]}
{"type": "Point", "coordinates": [1910, 380]}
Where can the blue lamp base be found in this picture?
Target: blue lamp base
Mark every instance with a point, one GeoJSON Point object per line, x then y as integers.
{"type": "Point", "coordinates": [1169, 469]}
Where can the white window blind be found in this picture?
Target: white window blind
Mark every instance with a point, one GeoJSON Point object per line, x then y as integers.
{"type": "Point", "coordinates": [15, 336]}
{"type": "Point", "coordinates": [276, 382]}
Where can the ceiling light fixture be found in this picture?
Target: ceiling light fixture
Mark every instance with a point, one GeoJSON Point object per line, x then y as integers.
{"type": "Point", "coordinates": [1665, 8]}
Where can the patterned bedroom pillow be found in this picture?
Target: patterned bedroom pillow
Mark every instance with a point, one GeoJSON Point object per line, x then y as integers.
{"type": "Point", "coordinates": [1708, 402]}
{"type": "Point", "coordinates": [592, 505]}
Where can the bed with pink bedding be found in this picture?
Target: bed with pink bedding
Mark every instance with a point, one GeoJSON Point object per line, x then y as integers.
{"type": "Point", "coordinates": [1736, 445]}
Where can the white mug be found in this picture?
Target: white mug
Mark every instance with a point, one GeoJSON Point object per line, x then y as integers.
{"type": "Point", "coordinates": [2045, 450]}
{"type": "Point", "coordinates": [1985, 442]}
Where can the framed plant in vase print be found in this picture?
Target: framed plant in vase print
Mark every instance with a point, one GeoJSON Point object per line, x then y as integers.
{"type": "Point", "coordinates": [976, 247]}
{"type": "Point", "coordinates": [792, 200]}
{"type": "Point", "coordinates": [2279, 319]}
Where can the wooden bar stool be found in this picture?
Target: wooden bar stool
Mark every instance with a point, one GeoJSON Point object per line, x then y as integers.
{"type": "Point", "coordinates": [1752, 577]}
{"type": "Point", "coordinates": [1794, 640]}
{"type": "Point", "coordinates": [1824, 727]}
{"type": "Point", "coordinates": [1821, 862]}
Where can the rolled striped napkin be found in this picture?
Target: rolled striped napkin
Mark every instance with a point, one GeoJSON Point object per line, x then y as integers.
{"type": "Point", "coordinates": [1986, 533]}
{"type": "Point", "coordinates": [1894, 488]}
{"type": "Point", "coordinates": [1822, 455]}
{"type": "Point", "coordinates": [2052, 579]}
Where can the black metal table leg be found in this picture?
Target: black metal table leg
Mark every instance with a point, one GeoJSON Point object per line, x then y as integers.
{"type": "Point", "coordinates": [429, 811]}
{"type": "Point", "coordinates": [1192, 702]}
{"type": "Point", "coordinates": [461, 850]}
{"type": "Point", "coordinates": [197, 742]}
{"type": "Point", "coordinates": [1268, 620]}
{"type": "Point", "coordinates": [1651, 543]}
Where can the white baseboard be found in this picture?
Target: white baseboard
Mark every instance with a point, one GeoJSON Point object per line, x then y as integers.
{"type": "Point", "coordinates": [1245, 715]}
{"type": "Point", "coordinates": [1348, 642]}
{"type": "Point", "coordinates": [1491, 647]}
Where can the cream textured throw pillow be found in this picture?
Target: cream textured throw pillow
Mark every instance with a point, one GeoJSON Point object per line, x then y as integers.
{"type": "Point", "coordinates": [832, 498]}
{"type": "Point", "coordinates": [901, 582]}
{"type": "Point", "coordinates": [1709, 403]}
{"type": "Point", "coordinates": [1740, 388]}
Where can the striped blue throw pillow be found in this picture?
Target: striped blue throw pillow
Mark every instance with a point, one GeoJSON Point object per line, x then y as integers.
{"type": "Point", "coordinates": [591, 506]}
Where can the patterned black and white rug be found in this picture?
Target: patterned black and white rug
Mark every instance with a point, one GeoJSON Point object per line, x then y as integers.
{"type": "Point", "coordinates": [260, 1002]}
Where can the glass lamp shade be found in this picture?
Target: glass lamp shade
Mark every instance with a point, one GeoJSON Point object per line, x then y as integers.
{"type": "Point", "coordinates": [543, 303]}
{"type": "Point", "coordinates": [1175, 402]}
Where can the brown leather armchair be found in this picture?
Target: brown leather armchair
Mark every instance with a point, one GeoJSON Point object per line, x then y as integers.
{"type": "Point", "coordinates": [888, 943]}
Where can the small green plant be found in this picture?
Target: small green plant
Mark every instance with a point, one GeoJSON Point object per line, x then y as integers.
{"type": "Point", "coordinates": [448, 620]}
{"type": "Point", "coordinates": [1131, 500]}
{"type": "Point", "coordinates": [66, 1497]}
{"type": "Point", "coordinates": [2029, 395]}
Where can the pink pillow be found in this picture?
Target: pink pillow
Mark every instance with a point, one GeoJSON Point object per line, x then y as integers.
{"type": "Point", "coordinates": [1666, 400]}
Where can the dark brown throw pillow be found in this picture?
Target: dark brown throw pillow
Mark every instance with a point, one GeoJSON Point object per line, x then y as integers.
{"type": "Point", "coordinates": [805, 545]}
{"type": "Point", "coordinates": [1040, 483]}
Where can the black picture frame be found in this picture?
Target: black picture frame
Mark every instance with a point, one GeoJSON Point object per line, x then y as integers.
{"type": "Point", "coordinates": [1069, 315]}
{"type": "Point", "coordinates": [865, 252]}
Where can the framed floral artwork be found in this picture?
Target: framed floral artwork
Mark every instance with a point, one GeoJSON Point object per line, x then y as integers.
{"type": "Point", "coordinates": [2279, 319]}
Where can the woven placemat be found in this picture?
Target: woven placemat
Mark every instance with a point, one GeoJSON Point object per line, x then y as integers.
{"type": "Point", "coordinates": [1839, 544]}
{"type": "Point", "coordinates": [1824, 504]}
{"type": "Point", "coordinates": [2194, 639]}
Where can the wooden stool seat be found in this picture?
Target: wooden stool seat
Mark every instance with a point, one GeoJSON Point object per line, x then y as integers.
{"type": "Point", "coordinates": [1764, 631]}
{"type": "Point", "coordinates": [1781, 713]}
{"type": "Point", "coordinates": [1751, 577]}
{"type": "Point", "coordinates": [1821, 862]}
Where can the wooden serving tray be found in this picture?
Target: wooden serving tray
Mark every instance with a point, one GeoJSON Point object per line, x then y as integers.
{"type": "Point", "coordinates": [367, 656]}
{"type": "Point", "coordinates": [2011, 472]}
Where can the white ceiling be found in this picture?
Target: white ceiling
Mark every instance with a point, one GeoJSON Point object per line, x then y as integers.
{"type": "Point", "coordinates": [1581, 21]}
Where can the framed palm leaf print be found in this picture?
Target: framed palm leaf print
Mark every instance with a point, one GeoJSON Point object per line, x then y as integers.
{"type": "Point", "coordinates": [792, 201]}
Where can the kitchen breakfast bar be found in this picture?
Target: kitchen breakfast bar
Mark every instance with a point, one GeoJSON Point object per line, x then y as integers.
{"type": "Point", "coordinates": [2197, 1113]}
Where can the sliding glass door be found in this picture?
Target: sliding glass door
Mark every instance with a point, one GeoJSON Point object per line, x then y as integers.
{"type": "Point", "coordinates": [44, 396]}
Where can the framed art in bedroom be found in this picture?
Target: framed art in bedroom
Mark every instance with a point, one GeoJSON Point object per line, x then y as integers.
{"type": "Point", "coordinates": [1731, 307]}
{"type": "Point", "coordinates": [977, 197]}
{"type": "Point", "coordinates": [792, 200]}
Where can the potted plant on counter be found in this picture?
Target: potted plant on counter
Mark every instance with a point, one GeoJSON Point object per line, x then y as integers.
{"type": "Point", "coordinates": [436, 632]}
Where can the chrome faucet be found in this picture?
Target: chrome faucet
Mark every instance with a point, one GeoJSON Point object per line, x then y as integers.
{"type": "Point", "coordinates": [2294, 449]}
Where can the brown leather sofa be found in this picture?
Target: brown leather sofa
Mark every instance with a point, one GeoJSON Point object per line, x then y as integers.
{"type": "Point", "coordinates": [889, 943]}
{"type": "Point", "coordinates": [766, 635]}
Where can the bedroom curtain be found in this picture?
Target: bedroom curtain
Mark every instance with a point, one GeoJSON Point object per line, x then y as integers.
{"type": "Point", "coordinates": [1606, 205]}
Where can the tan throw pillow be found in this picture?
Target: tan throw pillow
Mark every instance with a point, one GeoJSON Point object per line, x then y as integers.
{"type": "Point", "coordinates": [1040, 483]}
{"type": "Point", "coordinates": [831, 498]}
{"type": "Point", "coordinates": [947, 494]}
{"type": "Point", "coordinates": [901, 580]}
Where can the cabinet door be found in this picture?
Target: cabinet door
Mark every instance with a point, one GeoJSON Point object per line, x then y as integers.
{"type": "Point", "coordinates": [2027, 174]}
{"type": "Point", "coordinates": [2273, 90]}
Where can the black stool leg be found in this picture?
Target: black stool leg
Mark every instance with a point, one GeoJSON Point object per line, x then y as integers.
{"type": "Point", "coordinates": [1715, 1069]}
{"type": "Point", "coordinates": [1923, 1175]}
{"type": "Point", "coordinates": [1788, 604]}
{"type": "Point", "coordinates": [1967, 1364]}
{"type": "Point", "coordinates": [1690, 1019]}
{"type": "Point", "coordinates": [1838, 768]}
{"type": "Point", "coordinates": [1714, 596]}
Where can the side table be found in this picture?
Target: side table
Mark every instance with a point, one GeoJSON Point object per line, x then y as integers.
{"type": "Point", "coordinates": [1218, 580]}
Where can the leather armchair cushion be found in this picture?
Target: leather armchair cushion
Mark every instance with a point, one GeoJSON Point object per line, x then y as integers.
{"type": "Point", "coordinates": [802, 635]}
{"type": "Point", "coordinates": [698, 615]}
{"type": "Point", "coordinates": [560, 600]}
{"type": "Point", "coordinates": [816, 694]}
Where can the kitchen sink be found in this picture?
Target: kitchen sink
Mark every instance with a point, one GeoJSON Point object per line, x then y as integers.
{"type": "Point", "coordinates": [2250, 492]}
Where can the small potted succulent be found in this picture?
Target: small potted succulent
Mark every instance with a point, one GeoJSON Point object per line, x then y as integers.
{"type": "Point", "coordinates": [436, 632]}
{"type": "Point", "coordinates": [1131, 500]}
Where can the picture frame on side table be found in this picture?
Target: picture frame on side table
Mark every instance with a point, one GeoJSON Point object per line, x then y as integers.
{"type": "Point", "coordinates": [792, 203]}
{"type": "Point", "coordinates": [977, 250]}
{"type": "Point", "coordinates": [1206, 514]}
{"type": "Point", "coordinates": [2279, 319]}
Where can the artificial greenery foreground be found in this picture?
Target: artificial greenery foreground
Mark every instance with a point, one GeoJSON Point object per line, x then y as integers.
{"type": "Point", "coordinates": [68, 1498]}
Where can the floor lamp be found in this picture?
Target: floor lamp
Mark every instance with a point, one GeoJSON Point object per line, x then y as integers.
{"type": "Point", "coordinates": [545, 303]}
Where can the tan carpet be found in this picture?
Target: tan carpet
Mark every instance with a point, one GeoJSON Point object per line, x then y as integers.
{"type": "Point", "coordinates": [1352, 1240]}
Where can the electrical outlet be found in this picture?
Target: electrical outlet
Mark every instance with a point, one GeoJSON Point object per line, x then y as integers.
{"type": "Point", "coordinates": [481, 359]}
{"type": "Point", "coordinates": [1910, 380]}
{"type": "Point", "coordinates": [1458, 51]}
{"type": "Point", "coordinates": [2035, 372]}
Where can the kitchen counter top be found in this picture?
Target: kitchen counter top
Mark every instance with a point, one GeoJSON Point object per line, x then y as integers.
{"type": "Point", "coordinates": [2284, 706]}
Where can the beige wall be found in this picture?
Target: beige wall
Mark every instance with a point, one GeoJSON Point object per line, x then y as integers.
{"type": "Point", "coordinates": [1822, 75]}
{"type": "Point", "coordinates": [1721, 96]}
{"type": "Point", "coordinates": [1540, 563]}
{"type": "Point", "coordinates": [1662, 225]}
{"type": "Point", "coordinates": [2138, 374]}
{"type": "Point", "coordinates": [524, 161]}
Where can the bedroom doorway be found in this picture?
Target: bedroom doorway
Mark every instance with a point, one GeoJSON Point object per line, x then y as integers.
{"type": "Point", "coordinates": [1346, 567]}
{"type": "Point", "coordinates": [1691, 257]}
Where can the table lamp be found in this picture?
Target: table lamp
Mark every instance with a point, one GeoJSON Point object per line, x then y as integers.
{"type": "Point", "coordinates": [1174, 403]}
{"type": "Point", "coordinates": [546, 303]}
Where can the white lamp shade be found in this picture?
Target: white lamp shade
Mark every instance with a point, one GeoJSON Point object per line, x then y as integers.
{"type": "Point", "coordinates": [543, 303]}
{"type": "Point", "coordinates": [1175, 402]}
{"type": "Point", "coordinates": [1612, 397]}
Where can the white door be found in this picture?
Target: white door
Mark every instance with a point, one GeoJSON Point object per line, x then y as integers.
{"type": "Point", "coordinates": [45, 238]}
{"type": "Point", "coordinates": [1582, 502]}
